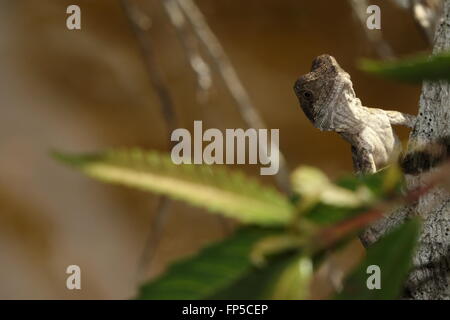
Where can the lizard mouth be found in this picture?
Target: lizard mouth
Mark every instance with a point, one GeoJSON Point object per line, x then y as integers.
{"type": "Point", "coordinates": [298, 86]}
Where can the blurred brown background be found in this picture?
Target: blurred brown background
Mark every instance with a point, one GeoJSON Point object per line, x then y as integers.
{"type": "Point", "coordinates": [87, 90]}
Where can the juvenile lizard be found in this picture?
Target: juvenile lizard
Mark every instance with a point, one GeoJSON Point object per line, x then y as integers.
{"type": "Point", "coordinates": [328, 100]}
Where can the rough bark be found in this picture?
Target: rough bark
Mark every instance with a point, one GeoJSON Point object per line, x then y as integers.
{"type": "Point", "coordinates": [431, 274]}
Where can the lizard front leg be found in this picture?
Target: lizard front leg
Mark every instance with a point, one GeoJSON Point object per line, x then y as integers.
{"type": "Point", "coordinates": [400, 119]}
{"type": "Point", "coordinates": [363, 162]}
{"type": "Point", "coordinates": [395, 118]}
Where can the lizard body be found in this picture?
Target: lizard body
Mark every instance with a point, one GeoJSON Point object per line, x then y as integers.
{"type": "Point", "coordinates": [328, 100]}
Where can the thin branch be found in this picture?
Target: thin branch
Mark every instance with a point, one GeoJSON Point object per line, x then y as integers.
{"type": "Point", "coordinates": [228, 74]}
{"type": "Point", "coordinates": [190, 46]}
{"type": "Point", "coordinates": [426, 13]}
{"type": "Point", "coordinates": [154, 237]}
{"type": "Point", "coordinates": [139, 23]}
{"type": "Point", "coordinates": [375, 37]}
{"type": "Point", "coordinates": [437, 178]}
{"type": "Point", "coordinates": [198, 64]}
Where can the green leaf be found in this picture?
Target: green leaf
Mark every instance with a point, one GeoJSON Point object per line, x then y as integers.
{"type": "Point", "coordinates": [285, 276]}
{"type": "Point", "coordinates": [415, 69]}
{"type": "Point", "coordinates": [214, 188]}
{"type": "Point", "coordinates": [294, 281]}
{"type": "Point", "coordinates": [324, 203]}
{"type": "Point", "coordinates": [324, 215]}
{"type": "Point", "coordinates": [393, 255]}
{"type": "Point", "coordinates": [213, 269]}
{"type": "Point", "coordinates": [313, 186]}
{"type": "Point", "coordinates": [379, 184]}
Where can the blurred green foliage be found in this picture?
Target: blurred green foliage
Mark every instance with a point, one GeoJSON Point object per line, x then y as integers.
{"type": "Point", "coordinates": [413, 70]}
{"type": "Point", "coordinates": [278, 259]}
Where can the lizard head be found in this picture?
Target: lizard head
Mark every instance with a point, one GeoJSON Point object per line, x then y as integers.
{"type": "Point", "coordinates": [320, 91]}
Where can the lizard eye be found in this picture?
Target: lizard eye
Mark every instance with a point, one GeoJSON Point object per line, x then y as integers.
{"type": "Point", "coordinates": [307, 94]}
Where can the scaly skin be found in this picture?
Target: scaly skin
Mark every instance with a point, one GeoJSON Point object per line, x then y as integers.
{"type": "Point", "coordinates": [328, 100]}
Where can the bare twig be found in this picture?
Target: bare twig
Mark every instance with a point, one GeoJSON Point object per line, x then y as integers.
{"type": "Point", "coordinates": [223, 64]}
{"type": "Point", "coordinates": [426, 13]}
{"type": "Point", "coordinates": [190, 46]}
{"type": "Point", "coordinates": [440, 177]}
{"type": "Point", "coordinates": [375, 37]}
{"type": "Point", "coordinates": [154, 236]}
{"type": "Point", "coordinates": [198, 64]}
{"type": "Point", "coordinates": [139, 23]}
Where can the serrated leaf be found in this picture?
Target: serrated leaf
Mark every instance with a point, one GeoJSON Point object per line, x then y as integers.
{"type": "Point", "coordinates": [214, 188]}
{"type": "Point", "coordinates": [414, 70]}
{"type": "Point", "coordinates": [393, 255]}
{"type": "Point", "coordinates": [212, 270]}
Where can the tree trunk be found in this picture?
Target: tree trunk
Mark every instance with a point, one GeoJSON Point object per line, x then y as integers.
{"type": "Point", "coordinates": [431, 274]}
